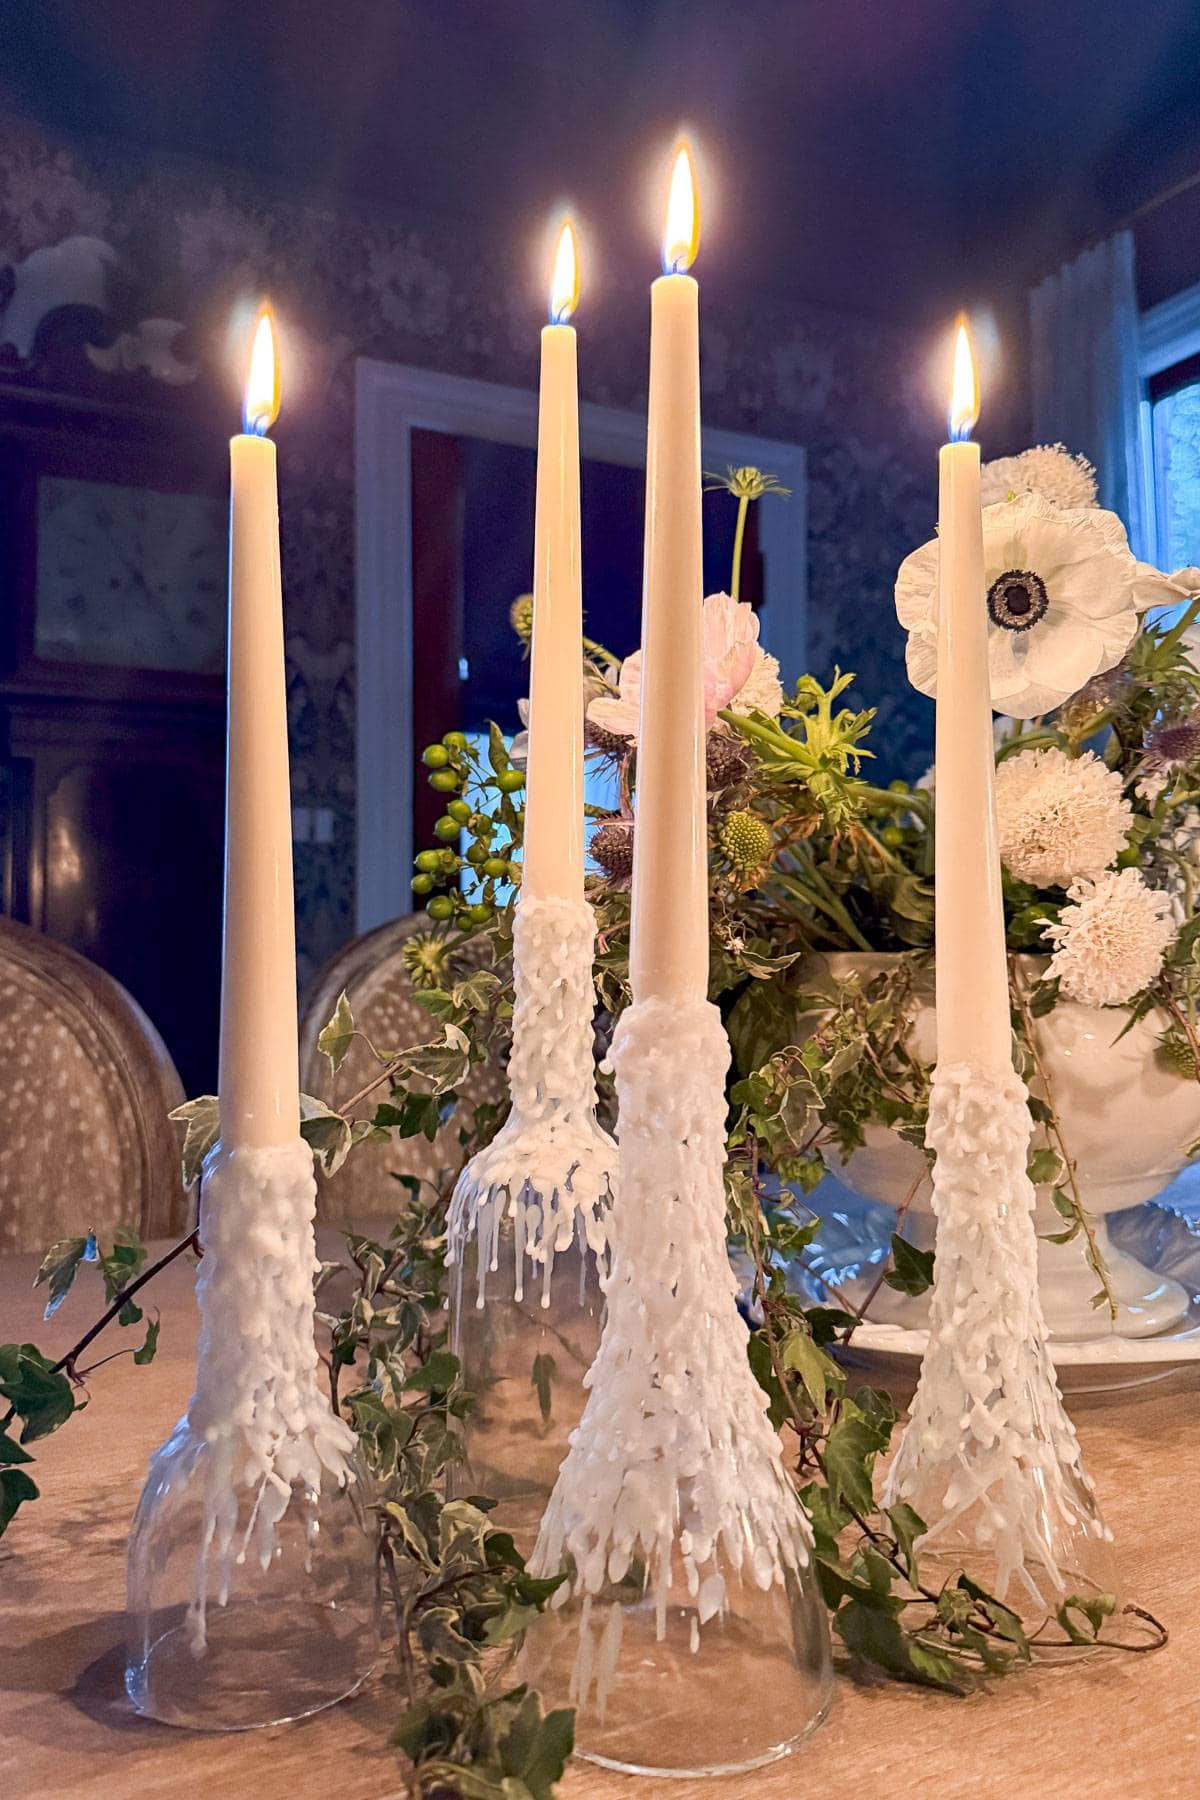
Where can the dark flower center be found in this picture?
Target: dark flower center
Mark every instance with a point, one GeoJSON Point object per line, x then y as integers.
{"type": "Point", "coordinates": [1017, 600]}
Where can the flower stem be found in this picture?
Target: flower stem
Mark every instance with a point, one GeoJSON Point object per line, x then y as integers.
{"type": "Point", "coordinates": [739, 533]}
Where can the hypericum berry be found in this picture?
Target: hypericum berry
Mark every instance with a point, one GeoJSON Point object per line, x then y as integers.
{"type": "Point", "coordinates": [441, 907]}
{"type": "Point", "coordinates": [893, 836]}
{"type": "Point", "coordinates": [477, 855]}
{"type": "Point", "coordinates": [745, 841]}
{"type": "Point", "coordinates": [447, 829]}
{"type": "Point", "coordinates": [422, 884]}
{"type": "Point", "coordinates": [455, 740]}
{"type": "Point", "coordinates": [727, 761]}
{"type": "Point", "coordinates": [510, 781]}
{"type": "Point", "coordinates": [435, 757]}
{"type": "Point", "coordinates": [458, 809]}
{"type": "Point", "coordinates": [1129, 857]}
{"type": "Point", "coordinates": [445, 781]}
{"type": "Point", "coordinates": [496, 867]}
{"type": "Point", "coordinates": [429, 861]}
{"type": "Point", "coordinates": [612, 848]}
{"type": "Point", "coordinates": [481, 912]}
{"type": "Point", "coordinates": [1175, 1053]}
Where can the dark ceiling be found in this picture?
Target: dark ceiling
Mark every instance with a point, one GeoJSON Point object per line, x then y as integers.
{"type": "Point", "coordinates": [879, 154]}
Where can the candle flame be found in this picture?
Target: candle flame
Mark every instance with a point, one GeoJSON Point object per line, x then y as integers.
{"type": "Point", "coordinates": [261, 405]}
{"type": "Point", "coordinates": [681, 239]}
{"type": "Point", "coordinates": [564, 283]}
{"type": "Point", "coordinates": [964, 390]}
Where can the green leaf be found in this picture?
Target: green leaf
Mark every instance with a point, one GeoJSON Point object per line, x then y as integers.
{"type": "Point", "coordinates": [849, 1459]}
{"type": "Point", "coordinates": [437, 1375]}
{"type": "Point", "coordinates": [444, 1064]}
{"type": "Point", "coordinates": [873, 1633]}
{"type": "Point", "coordinates": [816, 1370]}
{"type": "Point", "coordinates": [912, 1269]}
{"type": "Point", "coordinates": [58, 1268]}
{"type": "Point", "coordinates": [1083, 1616]}
{"type": "Point", "coordinates": [41, 1394]}
{"type": "Point", "coordinates": [149, 1344]}
{"type": "Point", "coordinates": [11, 1452]}
{"type": "Point", "coordinates": [907, 1527]}
{"type": "Point", "coordinates": [547, 1759]}
{"type": "Point", "coordinates": [413, 1728]}
{"type": "Point", "coordinates": [15, 1488]}
{"type": "Point", "coordinates": [335, 1038]}
{"type": "Point", "coordinates": [326, 1133]}
{"type": "Point", "coordinates": [542, 1379]}
{"type": "Point", "coordinates": [202, 1121]}
{"type": "Point", "coordinates": [1045, 1168]}
{"type": "Point", "coordinates": [415, 1115]}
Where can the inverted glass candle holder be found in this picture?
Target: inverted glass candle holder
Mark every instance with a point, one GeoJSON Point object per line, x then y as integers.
{"type": "Point", "coordinates": [252, 1559]}
{"type": "Point", "coordinates": [690, 1580]}
{"type": "Point", "coordinates": [989, 1459]}
{"type": "Point", "coordinates": [528, 1231]}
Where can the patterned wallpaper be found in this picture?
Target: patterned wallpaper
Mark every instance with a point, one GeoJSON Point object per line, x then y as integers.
{"type": "Point", "coordinates": [192, 242]}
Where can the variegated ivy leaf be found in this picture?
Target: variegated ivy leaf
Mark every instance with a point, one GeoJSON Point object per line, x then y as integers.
{"type": "Point", "coordinates": [58, 1268]}
{"type": "Point", "coordinates": [336, 1037]}
{"type": "Point", "coordinates": [326, 1133]}
{"type": "Point", "coordinates": [202, 1123]}
{"type": "Point", "coordinates": [443, 1065]}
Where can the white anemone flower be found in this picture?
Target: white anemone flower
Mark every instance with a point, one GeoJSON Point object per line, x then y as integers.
{"type": "Point", "coordinates": [1064, 592]}
{"type": "Point", "coordinates": [739, 675]}
{"type": "Point", "coordinates": [1110, 942]}
{"type": "Point", "coordinates": [1059, 817]}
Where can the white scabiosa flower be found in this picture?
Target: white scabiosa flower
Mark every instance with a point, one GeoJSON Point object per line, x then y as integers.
{"type": "Point", "coordinates": [1064, 592]}
{"type": "Point", "coordinates": [1059, 817]}
{"type": "Point", "coordinates": [1048, 469]}
{"type": "Point", "coordinates": [1109, 943]}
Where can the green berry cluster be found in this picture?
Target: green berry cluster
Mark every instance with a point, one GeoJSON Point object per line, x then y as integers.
{"type": "Point", "coordinates": [458, 770]}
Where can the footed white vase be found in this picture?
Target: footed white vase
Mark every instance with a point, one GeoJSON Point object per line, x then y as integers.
{"type": "Point", "coordinates": [1125, 1121]}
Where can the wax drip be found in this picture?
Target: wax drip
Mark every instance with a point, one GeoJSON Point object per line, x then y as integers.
{"type": "Point", "coordinates": [258, 1410]}
{"type": "Point", "coordinates": [989, 1446]}
{"type": "Point", "coordinates": [550, 1167]}
{"type": "Point", "coordinates": [674, 1467]}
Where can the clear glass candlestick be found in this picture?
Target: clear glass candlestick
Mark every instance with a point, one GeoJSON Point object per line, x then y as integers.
{"type": "Point", "coordinates": [527, 1238]}
{"type": "Point", "coordinates": [524, 1356]}
{"type": "Point", "coordinates": [690, 1636]}
{"type": "Point", "coordinates": [252, 1567]}
{"type": "Point", "coordinates": [295, 1630]}
{"type": "Point", "coordinates": [989, 1459]}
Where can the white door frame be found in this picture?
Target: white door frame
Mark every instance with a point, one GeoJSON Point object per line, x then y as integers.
{"type": "Point", "coordinates": [391, 402]}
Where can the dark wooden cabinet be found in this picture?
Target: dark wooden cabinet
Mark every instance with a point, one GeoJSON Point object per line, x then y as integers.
{"type": "Point", "coordinates": [112, 548]}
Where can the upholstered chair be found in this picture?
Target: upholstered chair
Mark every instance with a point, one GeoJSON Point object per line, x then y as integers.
{"type": "Point", "coordinates": [85, 1089]}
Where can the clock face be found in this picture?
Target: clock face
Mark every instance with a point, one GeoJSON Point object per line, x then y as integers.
{"type": "Point", "coordinates": [130, 576]}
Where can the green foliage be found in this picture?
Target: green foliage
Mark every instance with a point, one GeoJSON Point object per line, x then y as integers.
{"type": "Point", "coordinates": [464, 1742]}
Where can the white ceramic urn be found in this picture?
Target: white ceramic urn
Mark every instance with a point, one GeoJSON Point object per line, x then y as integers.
{"type": "Point", "coordinates": [1125, 1121]}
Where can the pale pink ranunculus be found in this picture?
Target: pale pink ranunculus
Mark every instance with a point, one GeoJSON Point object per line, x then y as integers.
{"type": "Point", "coordinates": [730, 643]}
{"type": "Point", "coordinates": [738, 674]}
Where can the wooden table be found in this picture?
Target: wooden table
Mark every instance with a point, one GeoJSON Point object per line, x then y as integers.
{"type": "Point", "coordinates": [1114, 1728]}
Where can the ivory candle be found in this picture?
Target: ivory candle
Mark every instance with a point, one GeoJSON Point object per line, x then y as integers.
{"type": "Point", "coordinates": [973, 1023]}
{"type": "Point", "coordinates": [258, 1083]}
{"type": "Point", "coordinates": [668, 953]}
{"type": "Point", "coordinates": [553, 854]}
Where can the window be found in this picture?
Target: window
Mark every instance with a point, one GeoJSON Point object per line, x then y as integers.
{"type": "Point", "coordinates": [1170, 429]}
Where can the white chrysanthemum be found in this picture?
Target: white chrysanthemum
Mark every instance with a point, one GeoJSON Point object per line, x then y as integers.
{"type": "Point", "coordinates": [1064, 592]}
{"type": "Point", "coordinates": [1110, 942]}
{"type": "Point", "coordinates": [1049, 470]}
{"type": "Point", "coordinates": [1059, 817]}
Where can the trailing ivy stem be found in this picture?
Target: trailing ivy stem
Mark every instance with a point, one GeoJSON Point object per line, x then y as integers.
{"type": "Point", "coordinates": [1095, 1261]}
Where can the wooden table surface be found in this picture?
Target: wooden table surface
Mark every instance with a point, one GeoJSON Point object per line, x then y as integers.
{"type": "Point", "coordinates": [1113, 1728]}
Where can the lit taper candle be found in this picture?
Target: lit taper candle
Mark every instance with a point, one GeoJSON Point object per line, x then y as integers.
{"type": "Point", "coordinates": [973, 1023]}
{"type": "Point", "coordinates": [669, 927]}
{"type": "Point", "coordinates": [553, 853]}
{"type": "Point", "coordinates": [259, 1066]}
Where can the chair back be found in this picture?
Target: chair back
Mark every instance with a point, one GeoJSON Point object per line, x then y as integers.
{"type": "Point", "coordinates": [85, 1142]}
{"type": "Point", "coordinates": [377, 984]}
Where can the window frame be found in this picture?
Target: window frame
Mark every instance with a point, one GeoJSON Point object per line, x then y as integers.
{"type": "Point", "coordinates": [1168, 335]}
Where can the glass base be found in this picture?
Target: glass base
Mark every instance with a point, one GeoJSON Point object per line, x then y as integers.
{"type": "Point", "coordinates": [262, 1666]}
{"type": "Point", "coordinates": [688, 1703]}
